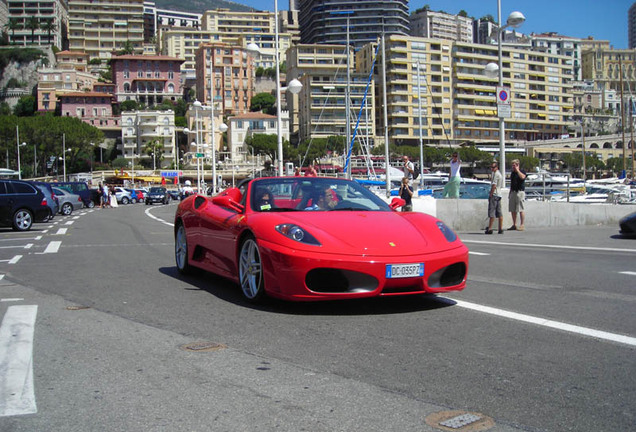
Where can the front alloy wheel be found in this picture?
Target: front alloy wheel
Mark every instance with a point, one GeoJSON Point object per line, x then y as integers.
{"type": "Point", "coordinates": [67, 209]}
{"type": "Point", "coordinates": [251, 271]}
{"type": "Point", "coordinates": [181, 251]}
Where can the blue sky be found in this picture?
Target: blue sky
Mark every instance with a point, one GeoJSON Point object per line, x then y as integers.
{"type": "Point", "coordinates": [601, 19]}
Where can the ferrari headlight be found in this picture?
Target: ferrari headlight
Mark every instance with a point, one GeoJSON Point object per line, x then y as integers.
{"type": "Point", "coordinates": [448, 233]}
{"type": "Point", "coordinates": [296, 233]}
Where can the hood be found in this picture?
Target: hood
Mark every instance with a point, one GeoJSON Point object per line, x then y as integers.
{"type": "Point", "coordinates": [364, 233]}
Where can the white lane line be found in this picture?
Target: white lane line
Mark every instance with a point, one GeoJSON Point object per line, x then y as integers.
{"type": "Point", "coordinates": [61, 231]}
{"type": "Point", "coordinates": [53, 247]}
{"type": "Point", "coordinates": [28, 246]}
{"type": "Point", "coordinates": [15, 259]}
{"type": "Point", "coordinates": [11, 299]}
{"type": "Point", "coordinates": [38, 238]}
{"type": "Point", "coordinates": [13, 247]}
{"type": "Point", "coordinates": [69, 223]}
{"type": "Point", "coordinates": [629, 273]}
{"type": "Point", "coordinates": [156, 218]}
{"type": "Point", "coordinates": [478, 253]}
{"type": "Point", "coordinates": [1, 276]}
{"type": "Point", "coordinates": [549, 246]}
{"type": "Point", "coordinates": [76, 217]}
{"type": "Point", "coordinates": [16, 361]}
{"type": "Point", "coordinates": [599, 334]}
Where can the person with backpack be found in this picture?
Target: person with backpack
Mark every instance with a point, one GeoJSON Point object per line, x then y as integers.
{"type": "Point", "coordinates": [451, 189]}
{"type": "Point", "coordinates": [409, 168]}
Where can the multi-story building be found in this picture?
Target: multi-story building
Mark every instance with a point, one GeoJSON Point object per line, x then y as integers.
{"type": "Point", "coordinates": [441, 25]}
{"type": "Point", "coordinates": [631, 25]}
{"type": "Point", "coordinates": [75, 60]}
{"type": "Point", "coordinates": [102, 27]}
{"type": "Point", "coordinates": [147, 79]}
{"type": "Point", "coordinates": [56, 82]}
{"type": "Point", "coordinates": [199, 121]}
{"type": "Point", "coordinates": [93, 108]}
{"type": "Point", "coordinates": [458, 99]}
{"type": "Point", "coordinates": [141, 130]}
{"type": "Point", "coordinates": [37, 22]}
{"type": "Point", "coordinates": [484, 31]}
{"type": "Point", "coordinates": [325, 21]}
{"type": "Point", "coordinates": [554, 43]}
{"type": "Point", "coordinates": [604, 66]}
{"type": "Point", "coordinates": [320, 109]}
{"type": "Point", "coordinates": [232, 82]}
{"type": "Point", "coordinates": [242, 126]}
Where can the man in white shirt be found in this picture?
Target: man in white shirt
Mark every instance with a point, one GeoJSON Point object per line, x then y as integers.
{"type": "Point", "coordinates": [494, 199]}
{"type": "Point", "coordinates": [409, 168]}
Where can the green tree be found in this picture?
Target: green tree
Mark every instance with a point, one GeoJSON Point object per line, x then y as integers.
{"type": "Point", "coordinates": [25, 107]}
{"type": "Point", "coordinates": [463, 13]}
{"type": "Point", "coordinates": [129, 105]}
{"type": "Point", "coordinates": [128, 48]}
{"type": "Point", "coordinates": [49, 27]}
{"type": "Point", "coordinates": [12, 25]}
{"type": "Point", "coordinates": [33, 23]}
{"type": "Point", "coordinates": [263, 102]}
{"type": "Point", "coordinates": [263, 144]}
{"type": "Point", "coordinates": [155, 150]}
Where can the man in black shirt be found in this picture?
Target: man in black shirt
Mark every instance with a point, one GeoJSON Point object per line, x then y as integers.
{"type": "Point", "coordinates": [517, 197]}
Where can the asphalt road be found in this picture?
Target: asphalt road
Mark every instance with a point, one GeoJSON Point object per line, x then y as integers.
{"type": "Point", "coordinates": [542, 339]}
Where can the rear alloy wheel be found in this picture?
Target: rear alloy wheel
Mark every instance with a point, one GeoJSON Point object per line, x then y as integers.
{"type": "Point", "coordinates": [251, 271]}
{"type": "Point", "coordinates": [125, 200]}
{"type": "Point", "coordinates": [22, 220]}
{"type": "Point", "coordinates": [67, 209]}
{"type": "Point", "coordinates": [181, 251]}
{"type": "Point", "coordinates": [91, 204]}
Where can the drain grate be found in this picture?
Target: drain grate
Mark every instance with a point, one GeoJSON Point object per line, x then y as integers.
{"type": "Point", "coordinates": [462, 421]}
{"type": "Point", "coordinates": [203, 347]}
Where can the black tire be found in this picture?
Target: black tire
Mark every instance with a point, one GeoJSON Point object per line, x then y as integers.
{"type": "Point", "coordinates": [91, 204]}
{"type": "Point", "coordinates": [251, 271]}
{"type": "Point", "coordinates": [67, 209]}
{"type": "Point", "coordinates": [125, 200]}
{"type": "Point", "coordinates": [181, 251]}
{"type": "Point", "coordinates": [22, 220]}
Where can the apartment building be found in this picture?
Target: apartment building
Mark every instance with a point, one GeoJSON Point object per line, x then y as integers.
{"type": "Point", "coordinates": [37, 22]}
{"type": "Point", "coordinates": [232, 80]}
{"type": "Point", "coordinates": [320, 108]}
{"type": "Point", "coordinates": [327, 21]}
{"type": "Point", "coordinates": [458, 99]}
{"type": "Point", "coordinates": [604, 66]}
{"type": "Point", "coordinates": [554, 43]}
{"type": "Point", "coordinates": [56, 82]}
{"type": "Point", "coordinates": [102, 27]}
{"type": "Point", "coordinates": [441, 25]}
{"type": "Point", "coordinates": [139, 129]}
{"type": "Point", "coordinates": [242, 126]}
{"type": "Point", "coordinates": [93, 108]}
{"type": "Point", "coordinates": [147, 79]}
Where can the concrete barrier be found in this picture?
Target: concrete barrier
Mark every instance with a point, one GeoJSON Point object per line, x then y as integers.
{"type": "Point", "coordinates": [472, 215]}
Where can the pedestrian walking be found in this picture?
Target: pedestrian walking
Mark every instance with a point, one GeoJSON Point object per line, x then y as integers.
{"type": "Point", "coordinates": [494, 199]}
{"type": "Point", "coordinates": [451, 189]}
{"type": "Point", "coordinates": [517, 197]}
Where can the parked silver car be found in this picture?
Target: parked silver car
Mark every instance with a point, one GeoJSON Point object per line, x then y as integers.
{"type": "Point", "coordinates": [68, 201]}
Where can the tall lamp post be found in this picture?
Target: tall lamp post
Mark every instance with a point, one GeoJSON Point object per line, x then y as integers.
{"type": "Point", "coordinates": [294, 86]}
{"type": "Point", "coordinates": [515, 19]}
{"type": "Point", "coordinates": [19, 169]}
{"type": "Point", "coordinates": [197, 105]}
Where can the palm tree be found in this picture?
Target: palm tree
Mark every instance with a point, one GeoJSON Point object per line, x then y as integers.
{"type": "Point", "coordinates": [13, 25]}
{"type": "Point", "coordinates": [49, 27]}
{"type": "Point", "coordinates": [33, 24]}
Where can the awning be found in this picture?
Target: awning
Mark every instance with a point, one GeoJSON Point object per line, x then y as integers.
{"type": "Point", "coordinates": [479, 112]}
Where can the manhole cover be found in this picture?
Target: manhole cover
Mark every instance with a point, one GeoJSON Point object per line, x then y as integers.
{"type": "Point", "coordinates": [203, 347]}
{"type": "Point", "coordinates": [461, 421]}
{"type": "Point", "coordinates": [74, 308]}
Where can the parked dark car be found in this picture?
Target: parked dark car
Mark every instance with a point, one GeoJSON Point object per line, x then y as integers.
{"type": "Point", "coordinates": [21, 204]}
{"type": "Point", "coordinates": [174, 194]}
{"type": "Point", "coordinates": [79, 188]}
{"type": "Point", "coordinates": [628, 225]}
{"type": "Point", "coordinates": [157, 195]}
{"type": "Point", "coordinates": [51, 200]}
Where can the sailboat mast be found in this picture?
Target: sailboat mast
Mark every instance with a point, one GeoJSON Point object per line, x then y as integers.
{"type": "Point", "coordinates": [387, 169]}
{"type": "Point", "coordinates": [348, 104]}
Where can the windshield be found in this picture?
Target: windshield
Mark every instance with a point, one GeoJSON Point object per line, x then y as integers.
{"type": "Point", "coordinates": [157, 190]}
{"type": "Point", "coordinates": [312, 194]}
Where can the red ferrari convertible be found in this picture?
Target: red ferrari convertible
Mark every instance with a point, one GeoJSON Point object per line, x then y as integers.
{"type": "Point", "coordinates": [316, 238]}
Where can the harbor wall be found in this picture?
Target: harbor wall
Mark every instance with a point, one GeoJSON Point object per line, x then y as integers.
{"type": "Point", "coordinates": [472, 215]}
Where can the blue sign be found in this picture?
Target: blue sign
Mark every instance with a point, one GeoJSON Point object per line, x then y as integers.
{"type": "Point", "coordinates": [171, 173]}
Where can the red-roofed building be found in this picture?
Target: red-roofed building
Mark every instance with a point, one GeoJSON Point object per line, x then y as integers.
{"type": "Point", "coordinates": [147, 79]}
{"type": "Point", "coordinates": [93, 108]}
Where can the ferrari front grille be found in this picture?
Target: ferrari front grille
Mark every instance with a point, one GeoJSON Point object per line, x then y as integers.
{"type": "Point", "coordinates": [451, 275]}
{"type": "Point", "coordinates": [330, 280]}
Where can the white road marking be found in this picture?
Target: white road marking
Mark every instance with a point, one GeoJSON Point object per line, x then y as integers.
{"type": "Point", "coordinates": [11, 299]}
{"type": "Point", "coordinates": [156, 218]}
{"type": "Point", "coordinates": [76, 217]}
{"type": "Point", "coordinates": [53, 247]}
{"type": "Point", "coordinates": [599, 334]}
{"type": "Point", "coordinates": [478, 253]}
{"type": "Point", "coordinates": [38, 238]}
{"type": "Point", "coordinates": [16, 361]}
{"type": "Point", "coordinates": [548, 246]}
{"type": "Point", "coordinates": [628, 273]}
{"type": "Point", "coordinates": [69, 223]}
{"type": "Point", "coordinates": [61, 231]}
{"type": "Point", "coordinates": [1, 276]}
{"type": "Point", "coordinates": [15, 259]}
{"type": "Point", "coordinates": [28, 246]}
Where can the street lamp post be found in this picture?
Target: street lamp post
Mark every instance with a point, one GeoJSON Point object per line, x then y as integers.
{"type": "Point", "coordinates": [197, 105]}
{"type": "Point", "coordinates": [19, 169]}
{"type": "Point", "coordinates": [35, 160]}
{"type": "Point", "coordinates": [294, 86]}
{"type": "Point", "coordinates": [515, 19]}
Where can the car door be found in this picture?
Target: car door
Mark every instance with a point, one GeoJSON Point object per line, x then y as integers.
{"type": "Point", "coordinates": [5, 204]}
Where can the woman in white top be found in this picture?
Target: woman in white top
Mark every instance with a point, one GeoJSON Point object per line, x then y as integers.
{"type": "Point", "coordinates": [451, 189]}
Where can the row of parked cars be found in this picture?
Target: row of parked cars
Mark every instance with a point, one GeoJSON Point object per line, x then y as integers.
{"type": "Point", "coordinates": [126, 196]}
{"type": "Point", "coordinates": [24, 202]}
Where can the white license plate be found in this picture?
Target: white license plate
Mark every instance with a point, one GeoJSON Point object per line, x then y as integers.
{"type": "Point", "coordinates": [394, 271]}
